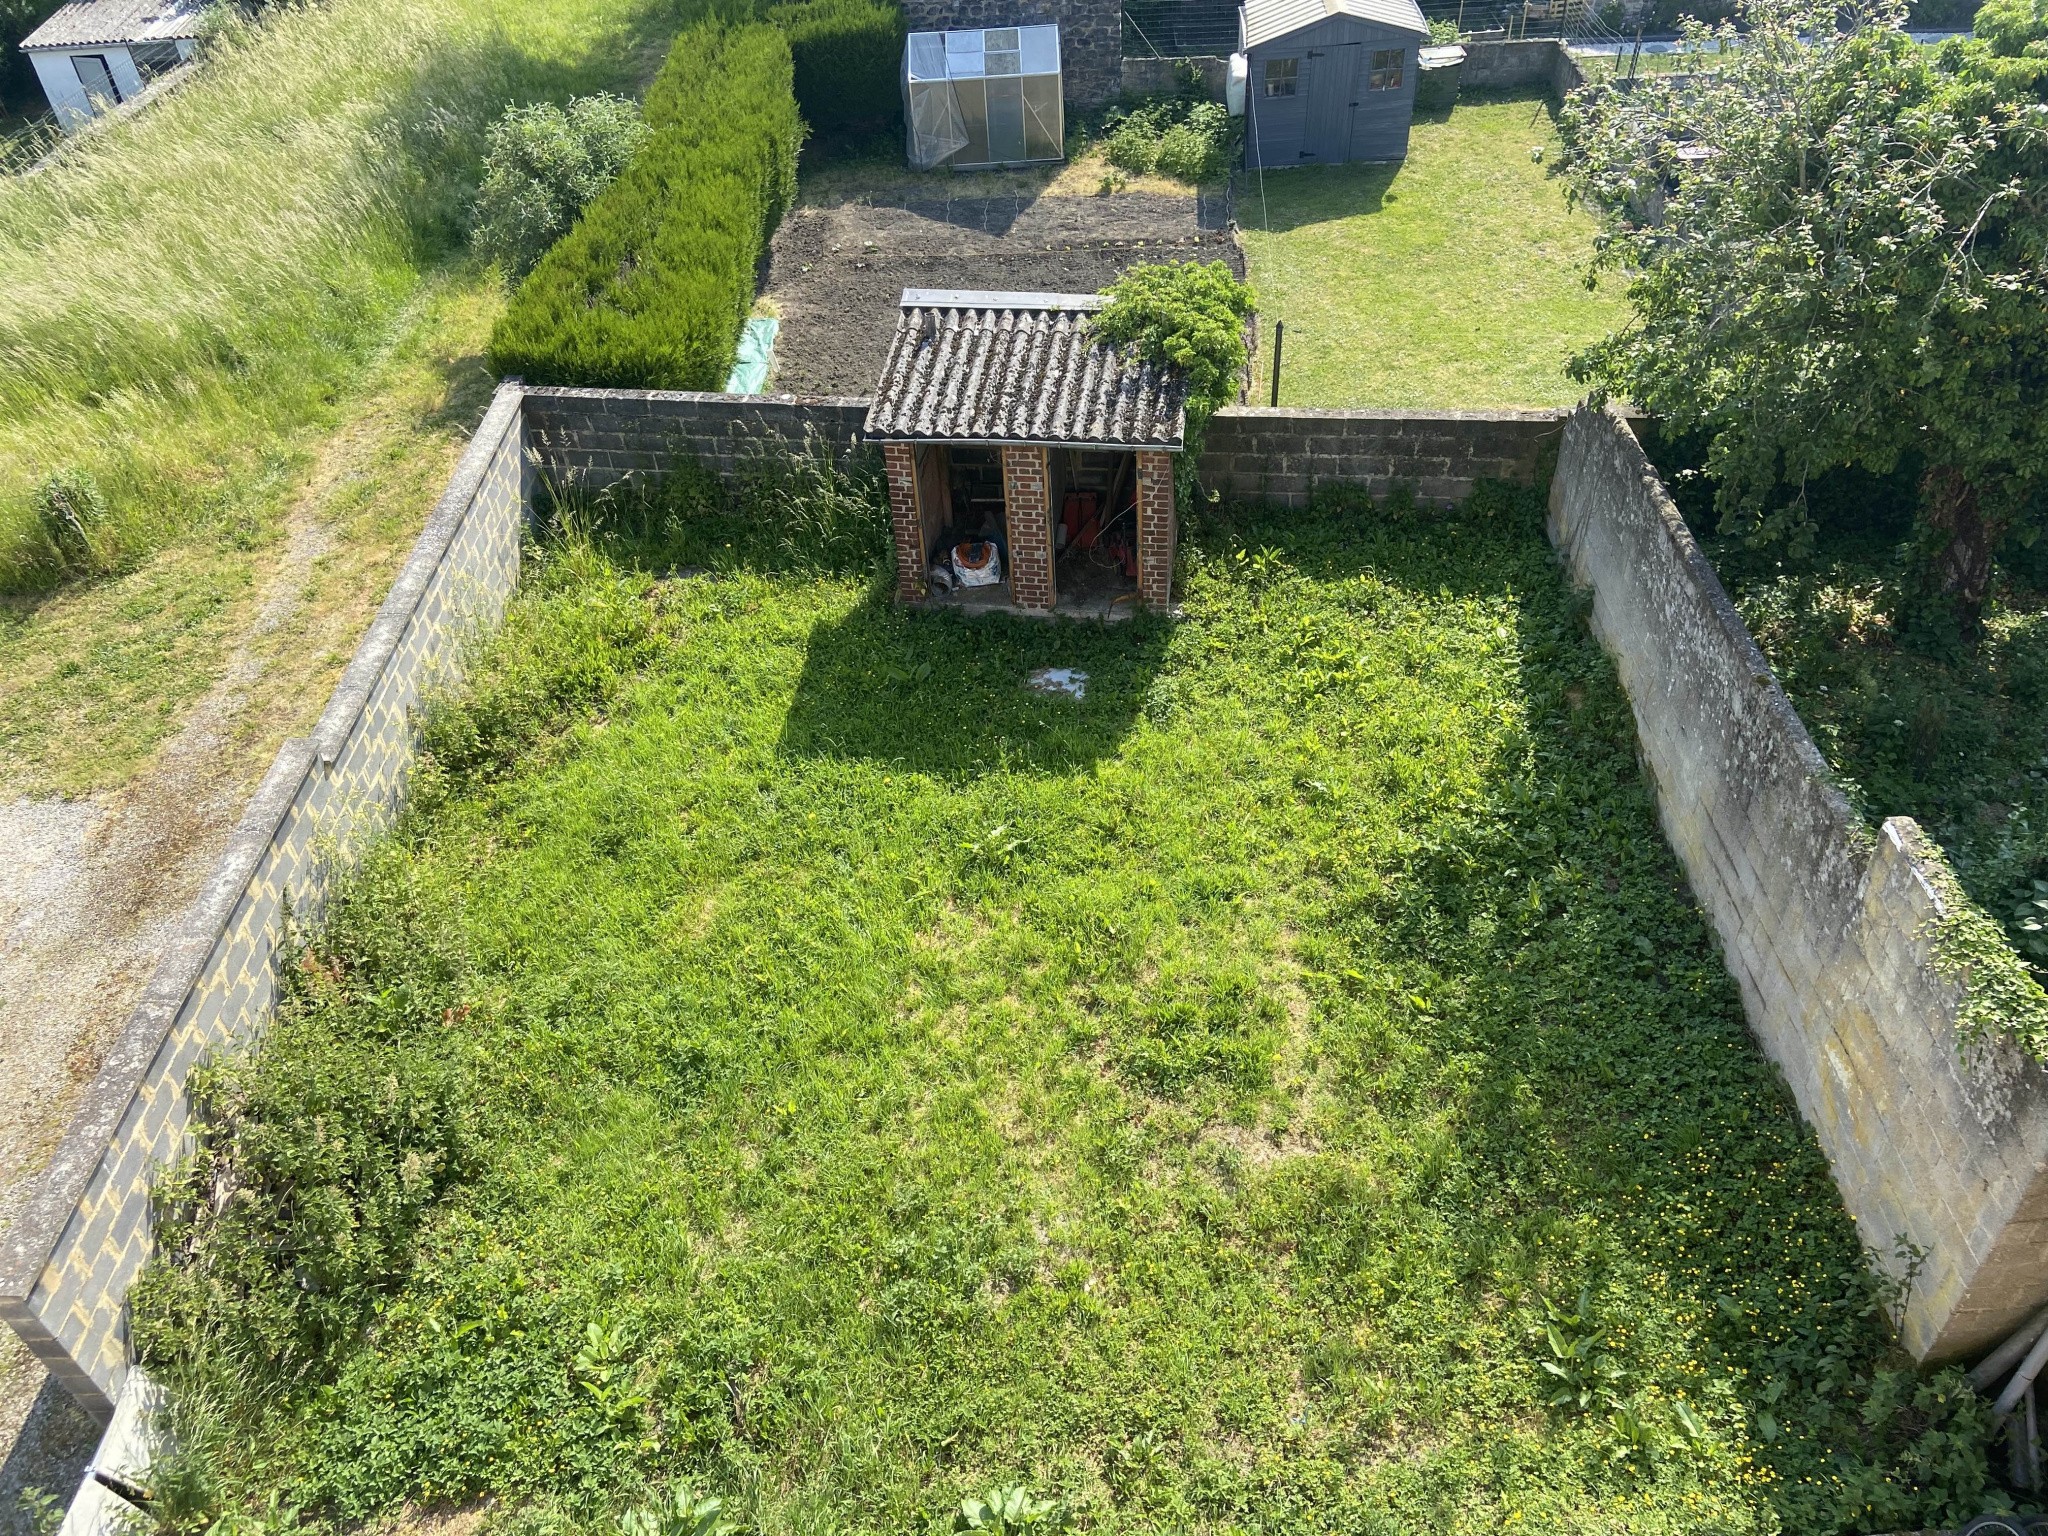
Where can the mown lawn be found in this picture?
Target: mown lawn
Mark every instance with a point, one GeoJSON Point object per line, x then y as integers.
{"type": "Point", "coordinates": [784, 1056]}
{"type": "Point", "coordinates": [1453, 280]}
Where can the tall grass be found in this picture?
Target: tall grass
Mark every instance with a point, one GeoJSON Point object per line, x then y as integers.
{"type": "Point", "coordinates": [183, 292]}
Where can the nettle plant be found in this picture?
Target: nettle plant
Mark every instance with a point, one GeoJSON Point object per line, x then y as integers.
{"type": "Point", "coordinates": [1835, 252]}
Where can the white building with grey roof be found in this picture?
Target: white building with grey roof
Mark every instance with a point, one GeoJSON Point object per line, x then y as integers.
{"type": "Point", "coordinates": [93, 55]}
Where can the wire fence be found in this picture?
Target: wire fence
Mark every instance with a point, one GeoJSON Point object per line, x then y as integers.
{"type": "Point", "coordinates": [1173, 29]}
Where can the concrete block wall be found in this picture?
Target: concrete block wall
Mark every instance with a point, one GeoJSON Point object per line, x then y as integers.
{"type": "Point", "coordinates": [1148, 76]}
{"type": "Point", "coordinates": [66, 1264]}
{"type": "Point", "coordinates": [592, 438]}
{"type": "Point", "coordinates": [1824, 927]}
{"type": "Point", "coordinates": [1282, 455]}
{"type": "Point", "coordinates": [1500, 65]}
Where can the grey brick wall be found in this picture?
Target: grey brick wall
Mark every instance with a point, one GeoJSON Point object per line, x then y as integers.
{"type": "Point", "coordinates": [591, 438]}
{"type": "Point", "coordinates": [1822, 925]}
{"type": "Point", "coordinates": [66, 1264]}
{"type": "Point", "coordinates": [1283, 455]}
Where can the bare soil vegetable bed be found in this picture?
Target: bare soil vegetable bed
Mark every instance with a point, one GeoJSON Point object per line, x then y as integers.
{"type": "Point", "coordinates": [838, 270]}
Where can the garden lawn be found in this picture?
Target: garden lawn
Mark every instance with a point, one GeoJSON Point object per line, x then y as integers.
{"type": "Point", "coordinates": [1287, 1089]}
{"type": "Point", "coordinates": [1454, 280]}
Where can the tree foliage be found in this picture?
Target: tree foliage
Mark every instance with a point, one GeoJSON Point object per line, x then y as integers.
{"type": "Point", "coordinates": [1189, 314]}
{"type": "Point", "coordinates": [1835, 249]}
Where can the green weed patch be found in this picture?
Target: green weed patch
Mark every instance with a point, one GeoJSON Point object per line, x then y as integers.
{"type": "Point", "coordinates": [1287, 1089]}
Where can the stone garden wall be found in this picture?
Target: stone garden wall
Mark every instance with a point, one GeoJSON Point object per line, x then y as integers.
{"type": "Point", "coordinates": [66, 1264]}
{"type": "Point", "coordinates": [1825, 928]}
{"type": "Point", "coordinates": [1506, 66]}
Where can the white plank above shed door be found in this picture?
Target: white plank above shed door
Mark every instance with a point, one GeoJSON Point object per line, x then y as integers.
{"type": "Point", "coordinates": [1332, 97]}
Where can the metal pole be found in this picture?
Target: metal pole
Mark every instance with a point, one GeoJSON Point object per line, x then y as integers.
{"type": "Point", "coordinates": [1279, 338]}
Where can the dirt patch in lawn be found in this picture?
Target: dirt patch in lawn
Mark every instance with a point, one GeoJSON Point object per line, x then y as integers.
{"type": "Point", "coordinates": [838, 270]}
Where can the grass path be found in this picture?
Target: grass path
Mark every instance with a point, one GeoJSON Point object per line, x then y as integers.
{"type": "Point", "coordinates": [786, 1055]}
{"type": "Point", "coordinates": [1452, 281]}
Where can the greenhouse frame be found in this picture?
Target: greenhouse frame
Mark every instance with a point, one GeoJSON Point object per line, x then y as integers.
{"type": "Point", "coordinates": [983, 97]}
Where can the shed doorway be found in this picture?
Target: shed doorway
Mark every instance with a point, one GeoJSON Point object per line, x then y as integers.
{"type": "Point", "coordinates": [1332, 103]}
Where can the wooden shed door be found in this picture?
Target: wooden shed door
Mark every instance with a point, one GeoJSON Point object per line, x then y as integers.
{"type": "Point", "coordinates": [1332, 94]}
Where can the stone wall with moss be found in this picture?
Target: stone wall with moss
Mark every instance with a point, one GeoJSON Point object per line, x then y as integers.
{"type": "Point", "coordinates": [1862, 966]}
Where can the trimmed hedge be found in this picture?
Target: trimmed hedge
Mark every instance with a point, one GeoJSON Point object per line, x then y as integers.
{"type": "Point", "coordinates": [650, 289]}
{"type": "Point", "coordinates": [849, 60]}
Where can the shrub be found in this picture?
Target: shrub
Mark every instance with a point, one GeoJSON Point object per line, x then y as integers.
{"type": "Point", "coordinates": [542, 165]}
{"type": "Point", "coordinates": [1191, 315]}
{"type": "Point", "coordinates": [318, 1157]}
{"type": "Point", "coordinates": [846, 55]}
{"type": "Point", "coordinates": [650, 289]}
{"type": "Point", "coordinates": [1178, 136]}
{"type": "Point", "coordinates": [1198, 148]}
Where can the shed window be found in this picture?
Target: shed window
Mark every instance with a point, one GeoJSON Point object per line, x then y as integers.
{"type": "Point", "coordinates": [1281, 75]}
{"type": "Point", "coordinates": [1386, 69]}
{"type": "Point", "coordinates": [153, 59]}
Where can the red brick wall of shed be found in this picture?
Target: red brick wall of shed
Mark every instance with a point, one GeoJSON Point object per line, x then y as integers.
{"type": "Point", "coordinates": [899, 465]}
{"type": "Point", "coordinates": [1026, 507]}
{"type": "Point", "coordinates": [1158, 529]}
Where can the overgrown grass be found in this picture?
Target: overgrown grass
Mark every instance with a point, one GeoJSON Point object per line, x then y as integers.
{"type": "Point", "coordinates": [1286, 1090]}
{"type": "Point", "coordinates": [184, 295]}
{"type": "Point", "coordinates": [1455, 279]}
{"type": "Point", "coordinates": [95, 676]}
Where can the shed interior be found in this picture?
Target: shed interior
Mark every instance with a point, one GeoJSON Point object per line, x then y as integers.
{"type": "Point", "coordinates": [1092, 495]}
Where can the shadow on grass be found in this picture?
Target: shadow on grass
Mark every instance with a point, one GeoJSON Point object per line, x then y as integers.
{"type": "Point", "coordinates": [949, 695]}
{"type": "Point", "coordinates": [1618, 1127]}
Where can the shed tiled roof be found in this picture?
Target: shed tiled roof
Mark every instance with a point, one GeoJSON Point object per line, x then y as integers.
{"type": "Point", "coordinates": [1020, 368]}
{"type": "Point", "coordinates": [1265, 20]}
{"type": "Point", "coordinates": [88, 23]}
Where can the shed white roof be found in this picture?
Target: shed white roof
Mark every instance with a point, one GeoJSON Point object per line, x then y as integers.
{"type": "Point", "coordinates": [88, 23]}
{"type": "Point", "coordinates": [1265, 20]}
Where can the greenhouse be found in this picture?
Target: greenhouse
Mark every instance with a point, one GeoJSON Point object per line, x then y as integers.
{"type": "Point", "coordinates": [983, 97]}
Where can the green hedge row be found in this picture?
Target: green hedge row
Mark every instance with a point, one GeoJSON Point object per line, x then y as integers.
{"type": "Point", "coordinates": [849, 61]}
{"type": "Point", "coordinates": [651, 287]}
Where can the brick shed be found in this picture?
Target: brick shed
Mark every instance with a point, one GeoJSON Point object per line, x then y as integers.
{"type": "Point", "coordinates": [1004, 423]}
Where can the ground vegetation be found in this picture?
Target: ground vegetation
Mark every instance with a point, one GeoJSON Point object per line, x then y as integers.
{"type": "Point", "coordinates": [784, 1058]}
{"type": "Point", "coordinates": [188, 296]}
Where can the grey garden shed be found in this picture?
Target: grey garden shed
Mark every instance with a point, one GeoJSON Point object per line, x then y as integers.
{"type": "Point", "coordinates": [1328, 81]}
